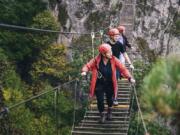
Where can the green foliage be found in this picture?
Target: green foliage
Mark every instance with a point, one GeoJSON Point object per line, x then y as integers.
{"type": "Point", "coordinates": [44, 104]}
{"type": "Point", "coordinates": [38, 116]}
{"type": "Point", "coordinates": [9, 77]}
{"type": "Point", "coordinates": [20, 12]}
{"type": "Point", "coordinates": [142, 70]}
{"type": "Point", "coordinates": [24, 118]}
{"type": "Point", "coordinates": [148, 54]}
{"type": "Point", "coordinates": [4, 63]}
{"type": "Point", "coordinates": [161, 89]}
{"type": "Point", "coordinates": [18, 45]}
{"type": "Point", "coordinates": [66, 106]}
{"type": "Point", "coordinates": [82, 52]}
{"type": "Point", "coordinates": [176, 26]}
{"type": "Point", "coordinates": [153, 127]}
{"type": "Point", "coordinates": [65, 131]}
{"type": "Point", "coordinates": [27, 122]}
{"type": "Point", "coordinates": [44, 20]}
{"type": "Point", "coordinates": [44, 125]}
{"type": "Point", "coordinates": [24, 48]}
{"type": "Point", "coordinates": [20, 119]}
{"type": "Point", "coordinates": [40, 42]}
{"type": "Point", "coordinates": [155, 94]}
{"type": "Point", "coordinates": [161, 86]}
{"type": "Point", "coordinates": [15, 44]}
{"type": "Point", "coordinates": [19, 52]}
{"type": "Point", "coordinates": [51, 64]}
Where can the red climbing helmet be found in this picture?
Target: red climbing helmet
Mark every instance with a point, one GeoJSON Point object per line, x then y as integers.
{"type": "Point", "coordinates": [121, 28]}
{"type": "Point", "coordinates": [103, 48]}
{"type": "Point", "coordinates": [113, 32]}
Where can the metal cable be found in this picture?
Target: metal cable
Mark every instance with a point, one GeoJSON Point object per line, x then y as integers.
{"type": "Point", "coordinates": [92, 42]}
{"type": "Point", "coordinates": [137, 128]}
{"type": "Point", "coordinates": [38, 29]}
{"type": "Point", "coordinates": [55, 109]}
{"type": "Point", "coordinates": [74, 111]}
{"type": "Point", "coordinates": [138, 104]}
{"type": "Point", "coordinates": [39, 95]}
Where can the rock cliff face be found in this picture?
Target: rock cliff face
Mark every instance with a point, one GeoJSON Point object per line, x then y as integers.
{"type": "Point", "coordinates": [84, 16]}
{"type": "Point", "coordinates": [158, 24]}
{"type": "Point", "coordinates": [156, 27]}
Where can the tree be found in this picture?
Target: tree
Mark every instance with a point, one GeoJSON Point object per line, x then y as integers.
{"type": "Point", "coordinates": [51, 65]}
{"type": "Point", "coordinates": [161, 96]}
{"type": "Point", "coordinates": [20, 12]}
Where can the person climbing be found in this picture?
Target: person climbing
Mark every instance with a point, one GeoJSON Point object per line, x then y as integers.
{"type": "Point", "coordinates": [104, 81]}
{"type": "Point", "coordinates": [124, 41]}
{"type": "Point", "coordinates": [117, 48]}
{"type": "Point", "coordinates": [122, 31]}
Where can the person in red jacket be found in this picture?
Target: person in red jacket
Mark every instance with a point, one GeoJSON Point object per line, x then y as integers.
{"type": "Point", "coordinates": [104, 80]}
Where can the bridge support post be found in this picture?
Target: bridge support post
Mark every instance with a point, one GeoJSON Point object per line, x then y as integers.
{"type": "Point", "coordinates": [56, 112]}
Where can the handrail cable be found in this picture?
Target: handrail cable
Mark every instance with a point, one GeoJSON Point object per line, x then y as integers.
{"type": "Point", "coordinates": [92, 43]}
{"type": "Point", "coordinates": [132, 103]}
{"type": "Point", "coordinates": [74, 111]}
{"type": "Point", "coordinates": [137, 128]}
{"type": "Point", "coordinates": [36, 96]}
{"type": "Point", "coordinates": [46, 30]}
{"type": "Point", "coordinates": [139, 108]}
{"type": "Point", "coordinates": [38, 29]}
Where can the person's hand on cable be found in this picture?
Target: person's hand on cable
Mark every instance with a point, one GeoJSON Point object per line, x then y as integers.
{"type": "Point", "coordinates": [131, 80]}
{"type": "Point", "coordinates": [131, 66]}
{"type": "Point", "coordinates": [84, 79]}
{"type": "Point", "coordinates": [83, 74]}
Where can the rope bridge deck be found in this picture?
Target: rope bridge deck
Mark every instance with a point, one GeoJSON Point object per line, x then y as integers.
{"type": "Point", "coordinates": [120, 116]}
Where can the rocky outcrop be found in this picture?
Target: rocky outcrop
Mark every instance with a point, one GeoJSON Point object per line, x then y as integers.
{"type": "Point", "coordinates": [155, 22]}
{"type": "Point", "coordinates": [84, 16]}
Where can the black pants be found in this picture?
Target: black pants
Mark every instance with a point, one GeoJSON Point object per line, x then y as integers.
{"type": "Point", "coordinates": [101, 89]}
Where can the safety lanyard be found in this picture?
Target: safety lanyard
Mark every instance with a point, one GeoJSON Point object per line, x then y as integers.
{"type": "Point", "coordinates": [99, 74]}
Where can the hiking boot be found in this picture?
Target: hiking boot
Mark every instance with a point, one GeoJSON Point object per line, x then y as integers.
{"type": "Point", "coordinates": [109, 114]}
{"type": "Point", "coordinates": [102, 118]}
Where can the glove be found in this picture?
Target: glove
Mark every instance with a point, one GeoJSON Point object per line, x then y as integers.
{"type": "Point", "coordinates": [132, 81]}
{"type": "Point", "coordinates": [83, 74]}
{"type": "Point", "coordinates": [131, 66]}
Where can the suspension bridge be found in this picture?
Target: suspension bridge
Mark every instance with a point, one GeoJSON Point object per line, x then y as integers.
{"type": "Point", "coordinates": [127, 95]}
{"type": "Point", "coordinates": [119, 125]}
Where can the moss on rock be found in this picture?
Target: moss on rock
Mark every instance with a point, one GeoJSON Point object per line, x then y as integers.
{"type": "Point", "coordinates": [63, 14]}
{"type": "Point", "coordinates": [146, 52]}
{"type": "Point", "coordinates": [97, 20]}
